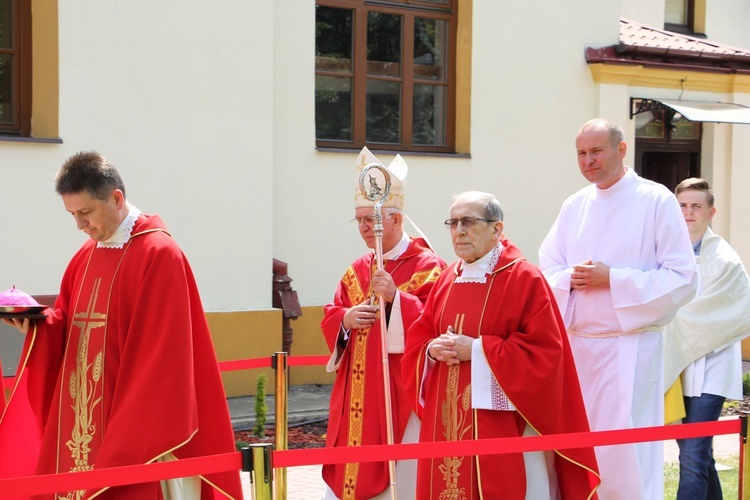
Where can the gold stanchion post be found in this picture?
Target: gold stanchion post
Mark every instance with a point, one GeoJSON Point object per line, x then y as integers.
{"type": "Point", "coordinates": [256, 459]}
{"type": "Point", "coordinates": [279, 364]}
{"type": "Point", "coordinates": [744, 486]}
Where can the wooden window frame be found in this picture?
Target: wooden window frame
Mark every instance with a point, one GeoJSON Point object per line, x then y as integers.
{"type": "Point", "coordinates": [408, 10]}
{"type": "Point", "coordinates": [20, 51]}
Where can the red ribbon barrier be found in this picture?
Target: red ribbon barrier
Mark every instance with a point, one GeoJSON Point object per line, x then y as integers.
{"type": "Point", "coordinates": [117, 476]}
{"type": "Point", "coordinates": [291, 458]}
{"type": "Point", "coordinates": [244, 364]}
{"type": "Point", "coordinates": [384, 452]}
{"type": "Point", "coordinates": [239, 364]}
{"type": "Point", "coordinates": [307, 360]}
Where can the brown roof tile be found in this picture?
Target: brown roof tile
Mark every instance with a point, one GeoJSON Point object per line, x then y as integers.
{"type": "Point", "coordinates": [649, 46]}
{"type": "Point", "coordinates": [633, 33]}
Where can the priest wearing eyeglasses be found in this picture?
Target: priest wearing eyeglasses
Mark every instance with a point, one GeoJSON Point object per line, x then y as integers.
{"type": "Point", "coordinates": [489, 358]}
{"type": "Point", "coordinates": [351, 327]}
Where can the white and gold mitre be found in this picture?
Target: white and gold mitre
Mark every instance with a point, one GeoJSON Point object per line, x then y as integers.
{"type": "Point", "coordinates": [397, 169]}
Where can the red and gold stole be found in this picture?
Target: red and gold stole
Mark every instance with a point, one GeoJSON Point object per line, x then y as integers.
{"type": "Point", "coordinates": [81, 414]}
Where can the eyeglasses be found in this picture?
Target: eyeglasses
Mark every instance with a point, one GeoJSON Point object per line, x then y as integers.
{"type": "Point", "coordinates": [466, 222]}
{"type": "Point", "coordinates": [367, 220]}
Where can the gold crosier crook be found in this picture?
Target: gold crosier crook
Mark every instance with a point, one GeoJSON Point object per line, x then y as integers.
{"type": "Point", "coordinates": [373, 193]}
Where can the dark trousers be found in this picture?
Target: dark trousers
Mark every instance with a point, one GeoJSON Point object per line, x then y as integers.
{"type": "Point", "coordinates": [698, 476]}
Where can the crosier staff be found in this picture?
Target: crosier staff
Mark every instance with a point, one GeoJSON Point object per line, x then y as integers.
{"type": "Point", "coordinates": [374, 193]}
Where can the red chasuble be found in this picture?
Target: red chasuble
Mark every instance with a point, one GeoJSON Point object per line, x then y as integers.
{"type": "Point", "coordinates": [356, 413]}
{"type": "Point", "coordinates": [123, 372]}
{"type": "Point", "coordinates": [2, 392]}
{"type": "Point", "coordinates": [526, 346]}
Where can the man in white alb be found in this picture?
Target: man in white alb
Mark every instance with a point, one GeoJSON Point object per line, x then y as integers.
{"type": "Point", "coordinates": [620, 263]}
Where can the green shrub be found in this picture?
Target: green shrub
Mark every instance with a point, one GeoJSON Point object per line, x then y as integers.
{"type": "Point", "coordinates": [746, 384]}
{"type": "Point", "coordinates": [261, 409]}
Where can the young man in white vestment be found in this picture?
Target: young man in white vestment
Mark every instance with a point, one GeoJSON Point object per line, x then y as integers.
{"type": "Point", "coordinates": [620, 263]}
{"type": "Point", "coordinates": [702, 343]}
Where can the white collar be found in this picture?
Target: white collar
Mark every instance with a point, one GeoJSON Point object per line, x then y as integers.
{"type": "Point", "coordinates": [397, 250]}
{"type": "Point", "coordinates": [122, 234]}
{"type": "Point", "coordinates": [477, 271]}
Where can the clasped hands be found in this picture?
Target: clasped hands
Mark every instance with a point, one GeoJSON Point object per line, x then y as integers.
{"type": "Point", "coordinates": [450, 348]}
{"type": "Point", "coordinates": [589, 274]}
{"type": "Point", "coordinates": [364, 315]}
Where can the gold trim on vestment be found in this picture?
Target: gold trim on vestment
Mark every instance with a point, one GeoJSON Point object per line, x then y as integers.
{"type": "Point", "coordinates": [359, 355]}
{"type": "Point", "coordinates": [79, 382]}
{"type": "Point", "coordinates": [150, 231]}
{"type": "Point", "coordinates": [606, 335]}
{"type": "Point", "coordinates": [451, 424]}
{"type": "Point", "coordinates": [22, 369]}
{"type": "Point", "coordinates": [356, 387]}
{"type": "Point", "coordinates": [565, 457]}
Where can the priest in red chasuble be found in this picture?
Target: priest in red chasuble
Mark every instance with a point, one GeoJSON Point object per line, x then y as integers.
{"type": "Point", "coordinates": [352, 329]}
{"type": "Point", "coordinates": [489, 358]}
{"type": "Point", "coordinates": [123, 370]}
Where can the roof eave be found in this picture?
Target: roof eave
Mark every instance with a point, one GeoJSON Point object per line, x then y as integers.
{"type": "Point", "coordinates": [664, 58]}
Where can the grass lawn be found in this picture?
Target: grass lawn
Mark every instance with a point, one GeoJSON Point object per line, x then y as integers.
{"type": "Point", "coordinates": [729, 478]}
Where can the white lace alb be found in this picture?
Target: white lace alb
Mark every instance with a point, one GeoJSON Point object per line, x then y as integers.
{"type": "Point", "coordinates": [122, 234]}
{"type": "Point", "coordinates": [477, 272]}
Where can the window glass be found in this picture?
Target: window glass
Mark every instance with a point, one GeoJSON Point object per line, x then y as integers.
{"type": "Point", "coordinates": [383, 44]}
{"type": "Point", "coordinates": [6, 64]}
{"type": "Point", "coordinates": [430, 36]}
{"type": "Point", "coordinates": [682, 128]}
{"type": "Point", "coordinates": [384, 74]}
{"type": "Point", "coordinates": [666, 125]}
{"type": "Point", "coordinates": [333, 39]}
{"type": "Point", "coordinates": [6, 89]}
{"type": "Point", "coordinates": [383, 111]}
{"type": "Point", "coordinates": [428, 128]}
{"type": "Point", "coordinates": [675, 12]}
{"type": "Point", "coordinates": [15, 67]}
{"type": "Point", "coordinates": [5, 25]}
{"type": "Point", "coordinates": [649, 124]}
{"type": "Point", "coordinates": [333, 57]}
{"type": "Point", "coordinates": [333, 108]}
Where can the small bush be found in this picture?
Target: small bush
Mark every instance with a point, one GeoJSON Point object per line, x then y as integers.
{"type": "Point", "coordinates": [261, 409]}
{"type": "Point", "coordinates": [746, 384]}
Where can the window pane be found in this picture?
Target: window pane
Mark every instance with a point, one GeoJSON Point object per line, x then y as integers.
{"type": "Point", "coordinates": [333, 39]}
{"type": "Point", "coordinates": [6, 88]}
{"type": "Point", "coordinates": [650, 124]}
{"type": "Point", "coordinates": [383, 112]}
{"type": "Point", "coordinates": [429, 111]}
{"type": "Point", "coordinates": [5, 26]}
{"type": "Point", "coordinates": [675, 12]}
{"type": "Point", "coordinates": [383, 44]}
{"type": "Point", "coordinates": [682, 128]}
{"type": "Point", "coordinates": [430, 41]}
{"type": "Point", "coordinates": [333, 108]}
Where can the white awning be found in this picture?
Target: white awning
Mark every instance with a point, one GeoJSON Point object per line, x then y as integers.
{"type": "Point", "coordinates": [718, 112]}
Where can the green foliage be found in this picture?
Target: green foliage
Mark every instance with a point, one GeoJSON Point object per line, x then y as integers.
{"type": "Point", "coordinates": [261, 408]}
{"type": "Point", "coordinates": [731, 405]}
{"type": "Point", "coordinates": [746, 384]}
